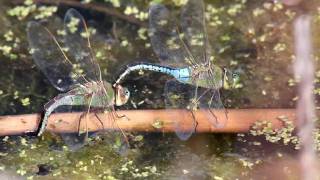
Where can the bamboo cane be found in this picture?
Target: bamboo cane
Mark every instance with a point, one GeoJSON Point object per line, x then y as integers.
{"type": "Point", "coordinates": [239, 120]}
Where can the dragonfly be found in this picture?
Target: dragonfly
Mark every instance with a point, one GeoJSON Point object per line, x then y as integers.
{"type": "Point", "coordinates": [184, 53]}
{"type": "Point", "coordinates": [73, 70]}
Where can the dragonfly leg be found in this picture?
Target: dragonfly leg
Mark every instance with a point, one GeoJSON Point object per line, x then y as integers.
{"type": "Point", "coordinates": [195, 122]}
{"type": "Point", "coordinates": [96, 115]}
{"type": "Point", "coordinates": [101, 122]}
{"type": "Point", "coordinates": [217, 94]}
{"type": "Point", "coordinates": [87, 114]}
{"type": "Point", "coordinates": [212, 113]}
{"type": "Point", "coordinates": [79, 123]}
{"type": "Point", "coordinates": [215, 117]}
{"type": "Point", "coordinates": [210, 102]}
{"type": "Point", "coordinates": [114, 114]}
{"type": "Point", "coordinates": [118, 115]}
{"type": "Point", "coordinates": [205, 92]}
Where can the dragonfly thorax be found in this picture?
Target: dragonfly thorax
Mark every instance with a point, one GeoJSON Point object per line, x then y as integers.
{"type": "Point", "coordinates": [117, 95]}
{"type": "Point", "coordinates": [207, 76]}
{"type": "Point", "coordinates": [93, 87]}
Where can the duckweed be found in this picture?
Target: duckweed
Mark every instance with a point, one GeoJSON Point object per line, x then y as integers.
{"type": "Point", "coordinates": [25, 101]}
{"type": "Point", "coordinates": [45, 12]}
{"type": "Point", "coordinates": [22, 12]}
{"type": "Point", "coordinates": [286, 135]}
{"type": "Point", "coordinates": [158, 124]}
{"type": "Point", "coordinates": [131, 10]}
{"type": "Point", "coordinates": [115, 3]}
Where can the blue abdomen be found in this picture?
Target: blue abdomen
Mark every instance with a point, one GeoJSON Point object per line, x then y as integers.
{"type": "Point", "coordinates": [181, 74]}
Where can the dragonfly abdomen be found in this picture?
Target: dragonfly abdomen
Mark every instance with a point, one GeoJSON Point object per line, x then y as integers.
{"type": "Point", "coordinates": [66, 99]}
{"type": "Point", "coordinates": [179, 74]}
{"type": "Point", "coordinates": [183, 75]}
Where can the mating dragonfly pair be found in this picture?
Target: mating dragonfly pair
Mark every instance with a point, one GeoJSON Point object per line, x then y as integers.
{"type": "Point", "coordinates": [183, 55]}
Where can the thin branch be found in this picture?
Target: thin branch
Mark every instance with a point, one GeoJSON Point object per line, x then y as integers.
{"type": "Point", "coordinates": [239, 120]}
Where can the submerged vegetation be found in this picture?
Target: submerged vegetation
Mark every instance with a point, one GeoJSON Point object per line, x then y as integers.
{"type": "Point", "coordinates": [253, 38]}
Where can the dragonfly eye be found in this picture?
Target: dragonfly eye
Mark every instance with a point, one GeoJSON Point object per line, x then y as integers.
{"type": "Point", "coordinates": [234, 75]}
{"type": "Point", "coordinates": [126, 93]}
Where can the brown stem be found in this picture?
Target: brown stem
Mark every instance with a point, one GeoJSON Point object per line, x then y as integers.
{"type": "Point", "coordinates": [239, 120]}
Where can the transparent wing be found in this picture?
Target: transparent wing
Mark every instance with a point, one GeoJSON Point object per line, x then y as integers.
{"type": "Point", "coordinates": [77, 41]}
{"type": "Point", "coordinates": [113, 136]}
{"type": "Point", "coordinates": [165, 38]}
{"type": "Point", "coordinates": [193, 98]}
{"type": "Point", "coordinates": [179, 96]}
{"type": "Point", "coordinates": [102, 107]}
{"type": "Point", "coordinates": [194, 29]}
{"type": "Point", "coordinates": [209, 101]}
{"type": "Point", "coordinates": [72, 101]}
{"type": "Point", "coordinates": [111, 132]}
{"type": "Point", "coordinates": [49, 57]}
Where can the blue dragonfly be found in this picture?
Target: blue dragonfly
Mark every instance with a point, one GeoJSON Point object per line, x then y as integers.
{"type": "Point", "coordinates": [73, 69]}
{"type": "Point", "coordinates": [185, 56]}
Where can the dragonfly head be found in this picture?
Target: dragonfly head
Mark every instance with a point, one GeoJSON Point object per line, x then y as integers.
{"type": "Point", "coordinates": [122, 95]}
{"type": "Point", "coordinates": [230, 79]}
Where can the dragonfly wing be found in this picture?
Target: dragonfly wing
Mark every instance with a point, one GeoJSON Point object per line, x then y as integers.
{"type": "Point", "coordinates": [194, 28]}
{"type": "Point", "coordinates": [49, 57]}
{"type": "Point", "coordinates": [77, 41]}
{"type": "Point", "coordinates": [72, 101]}
{"type": "Point", "coordinates": [209, 101]}
{"type": "Point", "coordinates": [77, 101]}
{"type": "Point", "coordinates": [74, 141]}
{"type": "Point", "coordinates": [111, 133]}
{"type": "Point", "coordinates": [178, 95]}
{"type": "Point", "coordinates": [165, 37]}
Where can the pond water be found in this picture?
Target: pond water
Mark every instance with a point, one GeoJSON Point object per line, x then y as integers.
{"type": "Point", "coordinates": [253, 38]}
